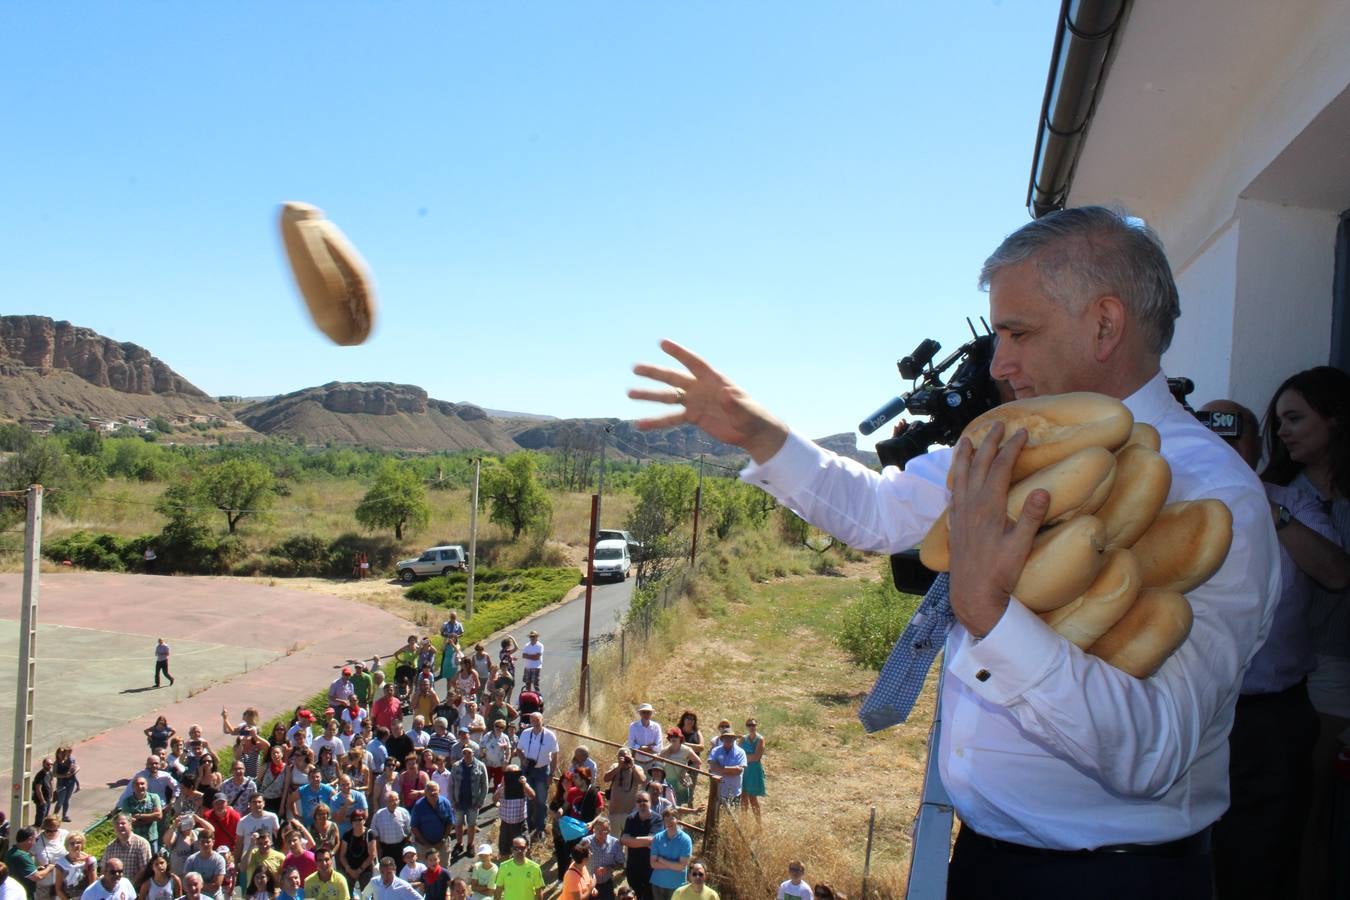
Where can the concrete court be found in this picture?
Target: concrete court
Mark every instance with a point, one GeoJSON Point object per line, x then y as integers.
{"type": "Point", "coordinates": [235, 643]}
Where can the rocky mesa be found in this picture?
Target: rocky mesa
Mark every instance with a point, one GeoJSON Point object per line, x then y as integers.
{"type": "Point", "coordinates": [51, 368]}
{"type": "Point", "coordinates": [378, 414]}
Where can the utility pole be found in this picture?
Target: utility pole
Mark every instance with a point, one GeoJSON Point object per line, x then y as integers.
{"type": "Point", "coordinates": [698, 502]}
{"type": "Point", "coordinates": [473, 539]}
{"type": "Point", "coordinates": [21, 775]}
{"type": "Point", "coordinates": [604, 442]}
{"type": "Point", "coordinates": [586, 616]}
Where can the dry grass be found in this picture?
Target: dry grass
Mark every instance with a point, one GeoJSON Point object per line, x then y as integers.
{"type": "Point", "coordinates": [324, 507]}
{"type": "Point", "coordinates": [773, 657]}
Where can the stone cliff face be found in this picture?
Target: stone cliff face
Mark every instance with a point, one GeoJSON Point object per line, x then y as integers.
{"type": "Point", "coordinates": [377, 414]}
{"type": "Point", "coordinates": [39, 344]}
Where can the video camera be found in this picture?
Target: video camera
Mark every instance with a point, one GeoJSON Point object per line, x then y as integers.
{"type": "Point", "coordinates": [949, 406]}
{"type": "Point", "coordinates": [1224, 424]}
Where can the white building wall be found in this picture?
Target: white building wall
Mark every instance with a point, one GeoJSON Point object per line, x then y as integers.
{"type": "Point", "coordinates": [1255, 303]}
{"type": "Point", "coordinates": [1282, 322]}
{"type": "Point", "coordinates": [1202, 348]}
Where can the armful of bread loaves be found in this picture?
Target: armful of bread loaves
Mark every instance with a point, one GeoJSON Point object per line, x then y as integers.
{"type": "Point", "coordinates": [1110, 569]}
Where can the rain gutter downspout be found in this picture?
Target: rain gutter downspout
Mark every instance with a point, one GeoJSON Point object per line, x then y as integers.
{"type": "Point", "coordinates": [1087, 34]}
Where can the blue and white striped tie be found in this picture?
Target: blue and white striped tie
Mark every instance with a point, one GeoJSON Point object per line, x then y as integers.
{"type": "Point", "coordinates": [901, 680]}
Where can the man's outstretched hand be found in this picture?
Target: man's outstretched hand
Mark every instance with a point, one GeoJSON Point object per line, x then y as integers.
{"type": "Point", "coordinates": [711, 402]}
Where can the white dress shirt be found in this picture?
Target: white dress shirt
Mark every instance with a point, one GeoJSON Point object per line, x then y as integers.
{"type": "Point", "coordinates": [537, 747]}
{"type": "Point", "coordinates": [648, 735]}
{"type": "Point", "coordinates": [1048, 746]}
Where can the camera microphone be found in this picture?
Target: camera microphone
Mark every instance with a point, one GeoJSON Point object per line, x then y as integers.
{"type": "Point", "coordinates": [893, 408]}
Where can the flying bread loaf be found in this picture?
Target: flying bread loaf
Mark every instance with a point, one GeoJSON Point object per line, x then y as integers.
{"type": "Point", "coordinates": [330, 274]}
{"type": "Point", "coordinates": [1111, 564]}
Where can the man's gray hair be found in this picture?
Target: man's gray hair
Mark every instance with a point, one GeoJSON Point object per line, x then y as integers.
{"type": "Point", "coordinates": [1092, 252]}
{"type": "Point", "coordinates": [194, 876]}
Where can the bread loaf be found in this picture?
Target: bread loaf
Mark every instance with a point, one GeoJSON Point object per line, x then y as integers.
{"type": "Point", "coordinates": [1185, 545]}
{"type": "Point", "coordinates": [1144, 435]}
{"type": "Point", "coordinates": [331, 276]}
{"type": "Point", "coordinates": [1142, 481]}
{"type": "Point", "coordinates": [935, 552]}
{"type": "Point", "coordinates": [1083, 620]}
{"type": "Point", "coordinates": [1057, 427]}
{"type": "Point", "coordinates": [1078, 484]}
{"type": "Point", "coordinates": [1064, 563]}
{"type": "Point", "coordinates": [1154, 626]}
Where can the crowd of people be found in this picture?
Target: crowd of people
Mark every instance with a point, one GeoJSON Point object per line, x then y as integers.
{"type": "Point", "coordinates": [377, 795]}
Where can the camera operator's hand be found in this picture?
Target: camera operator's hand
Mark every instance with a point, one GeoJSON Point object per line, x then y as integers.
{"type": "Point", "coordinates": [711, 402]}
{"type": "Point", "coordinates": [987, 550]}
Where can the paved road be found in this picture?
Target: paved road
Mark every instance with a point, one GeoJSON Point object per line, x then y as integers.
{"type": "Point", "coordinates": [560, 631]}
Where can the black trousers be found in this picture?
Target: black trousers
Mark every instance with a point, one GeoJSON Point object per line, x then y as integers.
{"type": "Point", "coordinates": [980, 870]}
{"type": "Point", "coordinates": [162, 666]}
{"type": "Point", "coordinates": [1257, 842]}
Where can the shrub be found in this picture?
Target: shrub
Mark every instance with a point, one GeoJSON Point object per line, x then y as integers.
{"type": "Point", "coordinates": [500, 596]}
{"type": "Point", "coordinates": [102, 552]}
{"type": "Point", "coordinates": [870, 625]}
{"type": "Point", "coordinates": [188, 545]}
{"type": "Point", "coordinates": [307, 554]}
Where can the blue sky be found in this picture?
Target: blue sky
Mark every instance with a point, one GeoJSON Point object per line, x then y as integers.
{"type": "Point", "coordinates": [799, 191]}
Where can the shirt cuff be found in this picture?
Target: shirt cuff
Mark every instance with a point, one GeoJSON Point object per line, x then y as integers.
{"type": "Point", "coordinates": [1011, 659]}
{"type": "Point", "coordinates": [795, 462]}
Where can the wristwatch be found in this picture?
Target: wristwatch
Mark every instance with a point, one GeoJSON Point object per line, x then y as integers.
{"type": "Point", "coordinates": [1283, 518]}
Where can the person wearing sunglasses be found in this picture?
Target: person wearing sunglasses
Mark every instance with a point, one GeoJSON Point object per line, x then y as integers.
{"type": "Point", "coordinates": [794, 886]}
{"type": "Point", "coordinates": [697, 887]}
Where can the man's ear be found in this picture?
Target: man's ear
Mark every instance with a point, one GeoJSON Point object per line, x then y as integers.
{"type": "Point", "coordinates": [1108, 314]}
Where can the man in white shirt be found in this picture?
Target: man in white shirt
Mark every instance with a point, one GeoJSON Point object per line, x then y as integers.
{"type": "Point", "coordinates": [533, 656]}
{"type": "Point", "coordinates": [160, 783]}
{"type": "Point", "coordinates": [537, 748]}
{"type": "Point", "coordinates": [644, 734]}
{"type": "Point", "coordinates": [258, 819]}
{"type": "Point", "coordinates": [329, 739]}
{"type": "Point", "coordinates": [1047, 751]}
{"type": "Point", "coordinates": [112, 885]}
{"type": "Point", "coordinates": [388, 886]}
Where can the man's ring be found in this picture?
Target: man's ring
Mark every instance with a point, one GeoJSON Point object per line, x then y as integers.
{"type": "Point", "coordinates": [679, 395]}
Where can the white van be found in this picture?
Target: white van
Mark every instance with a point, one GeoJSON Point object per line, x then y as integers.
{"type": "Point", "coordinates": [612, 560]}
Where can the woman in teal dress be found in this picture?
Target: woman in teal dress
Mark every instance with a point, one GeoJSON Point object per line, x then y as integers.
{"type": "Point", "coordinates": [752, 781]}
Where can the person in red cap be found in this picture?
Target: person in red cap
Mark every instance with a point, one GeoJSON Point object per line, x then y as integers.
{"type": "Point", "coordinates": [301, 729]}
{"type": "Point", "coordinates": [341, 688]}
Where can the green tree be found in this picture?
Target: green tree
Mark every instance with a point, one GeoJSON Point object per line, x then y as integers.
{"type": "Point", "coordinates": [14, 437]}
{"type": "Point", "coordinates": [396, 500]}
{"type": "Point", "coordinates": [518, 501]}
{"type": "Point", "coordinates": [237, 487]}
{"type": "Point", "coordinates": [44, 463]}
{"type": "Point", "coordinates": [85, 443]}
{"type": "Point", "coordinates": [665, 504]}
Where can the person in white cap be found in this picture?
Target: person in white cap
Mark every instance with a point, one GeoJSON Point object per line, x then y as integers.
{"type": "Point", "coordinates": [482, 873]}
{"type": "Point", "coordinates": [644, 734]}
{"type": "Point", "coordinates": [533, 654]}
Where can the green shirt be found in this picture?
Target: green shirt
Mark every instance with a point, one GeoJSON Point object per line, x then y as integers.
{"type": "Point", "coordinates": [22, 866]}
{"type": "Point", "coordinates": [133, 807]}
{"type": "Point", "coordinates": [519, 881]}
{"type": "Point", "coordinates": [361, 683]}
{"type": "Point", "coordinates": [334, 889]}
